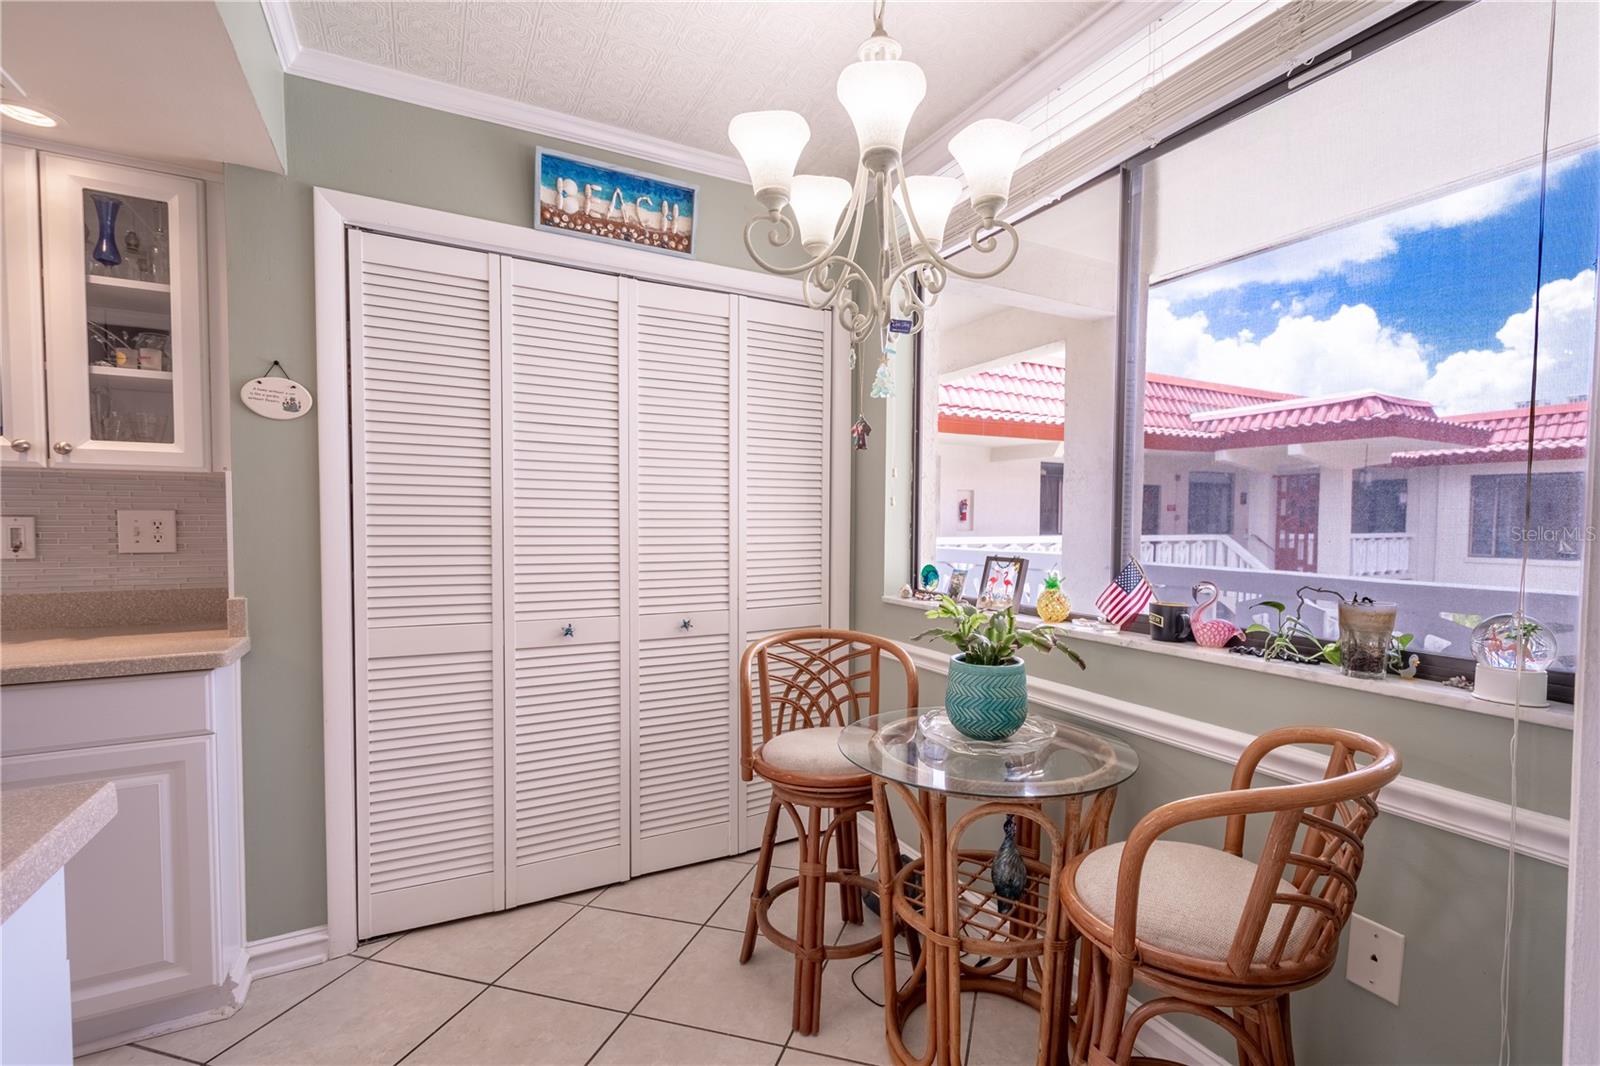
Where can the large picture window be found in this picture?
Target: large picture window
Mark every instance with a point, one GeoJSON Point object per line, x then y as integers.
{"type": "Point", "coordinates": [1338, 358]}
{"type": "Point", "coordinates": [1295, 347]}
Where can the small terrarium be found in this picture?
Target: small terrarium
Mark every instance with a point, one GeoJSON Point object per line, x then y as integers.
{"type": "Point", "coordinates": [1366, 631]}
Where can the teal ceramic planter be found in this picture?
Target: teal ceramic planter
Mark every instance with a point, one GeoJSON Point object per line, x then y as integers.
{"type": "Point", "coordinates": [986, 702]}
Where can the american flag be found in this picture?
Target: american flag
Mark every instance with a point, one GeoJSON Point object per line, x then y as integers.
{"type": "Point", "coordinates": [1127, 595]}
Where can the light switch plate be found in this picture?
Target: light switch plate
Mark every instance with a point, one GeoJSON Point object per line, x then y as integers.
{"type": "Point", "coordinates": [19, 541]}
{"type": "Point", "coordinates": [147, 532]}
{"type": "Point", "coordinates": [1376, 954]}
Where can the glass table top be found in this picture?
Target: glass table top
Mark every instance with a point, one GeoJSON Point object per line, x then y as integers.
{"type": "Point", "coordinates": [1061, 759]}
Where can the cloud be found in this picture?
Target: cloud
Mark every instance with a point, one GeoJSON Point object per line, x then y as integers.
{"type": "Point", "coordinates": [1351, 350]}
{"type": "Point", "coordinates": [1363, 242]}
{"type": "Point", "coordinates": [1485, 380]}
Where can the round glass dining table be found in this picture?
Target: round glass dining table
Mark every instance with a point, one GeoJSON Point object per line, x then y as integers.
{"type": "Point", "coordinates": [982, 918]}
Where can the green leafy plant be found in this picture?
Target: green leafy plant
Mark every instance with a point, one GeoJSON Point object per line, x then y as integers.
{"type": "Point", "coordinates": [993, 638]}
{"type": "Point", "coordinates": [1290, 639]}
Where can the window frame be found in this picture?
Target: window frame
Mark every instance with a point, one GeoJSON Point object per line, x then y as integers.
{"type": "Point", "coordinates": [1132, 312]}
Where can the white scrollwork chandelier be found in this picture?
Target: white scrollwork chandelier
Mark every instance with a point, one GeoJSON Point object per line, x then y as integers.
{"type": "Point", "coordinates": [881, 92]}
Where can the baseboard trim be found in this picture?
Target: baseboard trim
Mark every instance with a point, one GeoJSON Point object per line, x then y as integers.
{"type": "Point", "coordinates": [287, 951]}
{"type": "Point", "coordinates": [1538, 835]}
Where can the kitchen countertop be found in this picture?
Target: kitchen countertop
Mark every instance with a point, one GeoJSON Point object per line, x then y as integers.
{"type": "Point", "coordinates": [42, 828]}
{"type": "Point", "coordinates": [32, 655]}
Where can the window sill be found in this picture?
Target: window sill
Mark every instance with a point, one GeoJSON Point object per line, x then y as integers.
{"type": "Point", "coordinates": [1418, 691]}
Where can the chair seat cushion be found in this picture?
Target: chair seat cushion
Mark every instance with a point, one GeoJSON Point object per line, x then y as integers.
{"type": "Point", "coordinates": [1190, 900]}
{"type": "Point", "coordinates": [809, 751]}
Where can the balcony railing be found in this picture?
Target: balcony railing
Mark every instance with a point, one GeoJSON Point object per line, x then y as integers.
{"type": "Point", "coordinates": [1380, 555]}
{"type": "Point", "coordinates": [1198, 549]}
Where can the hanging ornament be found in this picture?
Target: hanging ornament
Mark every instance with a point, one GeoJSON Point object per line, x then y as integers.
{"type": "Point", "coordinates": [852, 357]}
{"type": "Point", "coordinates": [882, 381]}
{"type": "Point", "coordinates": [859, 429]}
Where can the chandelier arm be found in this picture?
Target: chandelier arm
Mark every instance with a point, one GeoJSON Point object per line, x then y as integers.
{"type": "Point", "coordinates": [982, 243]}
{"type": "Point", "coordinates": [782, 224]}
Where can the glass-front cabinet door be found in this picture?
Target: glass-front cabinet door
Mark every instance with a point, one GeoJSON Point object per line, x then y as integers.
{"type": "Point", "coordinates": [124, 323]}
{"type": "Point", "coordinates": [22, 417]}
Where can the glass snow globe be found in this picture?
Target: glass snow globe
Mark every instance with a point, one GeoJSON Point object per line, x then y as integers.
{"type": "Point", "coordinates": [1513, 653]}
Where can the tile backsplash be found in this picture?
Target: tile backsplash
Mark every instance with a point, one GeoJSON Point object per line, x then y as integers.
{"type": "Point", "coordinates": [75, 515]}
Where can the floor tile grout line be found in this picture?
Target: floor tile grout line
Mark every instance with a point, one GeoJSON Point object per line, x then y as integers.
{"type": "Point", "coordinates": [287, 1009]}
{"type": "Point", "coordinates": [163, 1054]}
{"type": "Point", "coordinates": [640, 1001]}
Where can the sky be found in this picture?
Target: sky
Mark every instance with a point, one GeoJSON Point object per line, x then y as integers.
{"type": "Point", "coordinates": [1433, 301]}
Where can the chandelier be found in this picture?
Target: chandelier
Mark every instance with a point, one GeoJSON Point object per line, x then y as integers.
{"type": "Point", "coordinates": [880, 91]}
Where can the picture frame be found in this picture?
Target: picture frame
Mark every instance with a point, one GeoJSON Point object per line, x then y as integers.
{"type": "Point", "coordinates": [1002, 580]}
{"type": "Point", "coordinates": [585, 198]}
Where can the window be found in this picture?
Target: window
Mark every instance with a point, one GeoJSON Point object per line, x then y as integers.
{"type": "Point", "coordinates": [1378, 504]}
{"type": "Point", "coordinates": [1016, 384]}
{"type": "Point", "coordinates": [1314, 347]}
{"type": "Point", "coordinates": [1210, 502]}
{"type": "Point", "coordinates": [1050, 499]}
{"type": "Point", "coordinates": [1499, 509]}
{"type": "Point", "coordinates": [1338, 346]}
{"type": "Point", "coordinates": [1150, 511]}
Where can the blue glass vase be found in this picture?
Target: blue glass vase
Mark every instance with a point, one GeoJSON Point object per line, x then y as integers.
{"type": "Point", "coordinates": [1008, 870]}
{"type": "Point", "coordinates": [106, 251]}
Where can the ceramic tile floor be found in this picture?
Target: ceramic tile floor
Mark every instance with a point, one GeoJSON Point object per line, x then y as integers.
{"type": "Point", "coordinates": [644, 972]}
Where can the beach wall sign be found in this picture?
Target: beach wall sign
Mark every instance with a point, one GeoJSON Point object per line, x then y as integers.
{"type": "Point", "coordinates": [583, 198]}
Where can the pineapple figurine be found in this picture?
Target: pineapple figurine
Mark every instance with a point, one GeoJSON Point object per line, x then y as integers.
{"type": "Point", "coordinates": [1053, 605]}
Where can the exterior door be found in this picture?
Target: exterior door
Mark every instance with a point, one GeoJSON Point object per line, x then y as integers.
{"type": "Point", "coordinates": [1296, 541]}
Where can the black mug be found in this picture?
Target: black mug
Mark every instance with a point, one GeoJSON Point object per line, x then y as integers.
{"type": "Point", "coordinates": [1169, 622]}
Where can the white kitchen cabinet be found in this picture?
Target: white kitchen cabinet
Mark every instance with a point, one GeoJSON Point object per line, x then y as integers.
{"type": "Point", "coordinates": [155, 901]}
{"type": "Point", "coordinates": [104, 288]}
{"type": "Point", "coordinates": [22, 405]}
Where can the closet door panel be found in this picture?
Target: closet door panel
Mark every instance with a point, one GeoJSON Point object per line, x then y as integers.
{"type": "Point", "coordinates": [424, 331]}
{"type": "Point", "coordinates": [684, 389]}
{"type": "Point", "coordinates": [785, 415]}
{"type": "Point", "coordinates": [566, 364]}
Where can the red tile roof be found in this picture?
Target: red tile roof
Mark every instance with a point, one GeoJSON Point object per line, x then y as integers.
{"type": "Point", "coordinates": [1560, 431]}
{"type": "Point", "coordinates": [1024, 400]}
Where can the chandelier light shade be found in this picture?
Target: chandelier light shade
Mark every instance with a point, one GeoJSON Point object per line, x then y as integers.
{"type": "Point", "coordinates": [817, 202]}
{"type": "Point", "coordinates": [932, 199]}
{"type": "Point", "coordinates": [881, 96]}
{"type": "Point", "coordinates": [770, 142]}
{"type": "Point", "coordinates": [829, 215]}
{"type": "Point", "coordinates": [988, 152]}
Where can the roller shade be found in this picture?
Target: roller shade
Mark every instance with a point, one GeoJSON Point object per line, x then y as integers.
{"type": "Point", "coordinates": [1447, 109]}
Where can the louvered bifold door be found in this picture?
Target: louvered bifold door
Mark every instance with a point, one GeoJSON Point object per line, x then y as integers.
{"type": "Point", "coordinates": [424, 332]}
{"type": "Point", "coordinates": [565, 367]}
{"type": "Point", "coordinates": [784, 499]}
{"type": "Point", "coordinates": [686, 489]}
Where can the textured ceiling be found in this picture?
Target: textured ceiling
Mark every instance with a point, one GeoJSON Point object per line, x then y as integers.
{"type": "Point", "coordinates": [680, 71]}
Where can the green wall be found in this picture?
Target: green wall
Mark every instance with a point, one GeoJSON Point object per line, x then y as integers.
{"type": "Point", "coordinates": [353, 142]}
{"type": "Point", "coordinates": [1444, 892]}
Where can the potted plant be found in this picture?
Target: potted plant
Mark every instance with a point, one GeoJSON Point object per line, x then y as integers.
{"type": "Point", "coordinates": [987, 694]}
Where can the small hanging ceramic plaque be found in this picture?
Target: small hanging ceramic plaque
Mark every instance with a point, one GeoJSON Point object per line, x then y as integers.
{"type": "Point", "coordinates": [280, 398]}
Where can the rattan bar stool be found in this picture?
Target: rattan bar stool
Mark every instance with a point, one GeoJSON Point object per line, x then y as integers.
{"type": "Point", "coordinates": [806, 685]}
{"type": "Point", "coordinates": [1220, 936]}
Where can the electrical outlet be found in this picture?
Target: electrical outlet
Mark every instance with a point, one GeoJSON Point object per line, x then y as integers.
{"type": "Point", "coordinates": [147, 532]}
{"type": "Point", "coordinates": [20, 543]}
{"type": "Point", "coordinates": [1376, 954]}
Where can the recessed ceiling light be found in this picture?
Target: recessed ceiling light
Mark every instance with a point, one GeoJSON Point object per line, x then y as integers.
{"type": "Point", "coordinates": [31, 115]}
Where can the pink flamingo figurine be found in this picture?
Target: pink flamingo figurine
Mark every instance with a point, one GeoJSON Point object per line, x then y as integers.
{"type": "Point", "coordinates": [1214, 633]}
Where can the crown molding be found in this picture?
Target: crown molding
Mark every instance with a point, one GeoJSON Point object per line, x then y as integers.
{"type": "Point", "coordinates": [366, 77]}
{"type": "Point", "coordinates": [285, 38]}
{"type": "Point", "coordinates": [1112, 25]}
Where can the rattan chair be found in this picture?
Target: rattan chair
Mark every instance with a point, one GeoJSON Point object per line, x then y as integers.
{"type": "Point", "coordinates": [1217, 935]}
{"type": "Point", "coordinates": [806, 685]}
